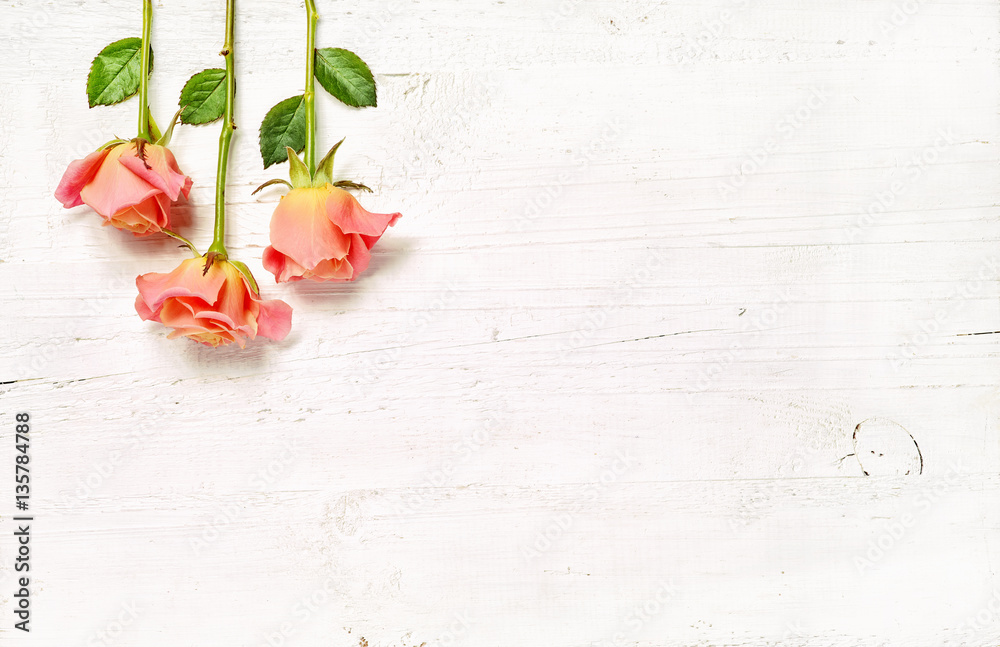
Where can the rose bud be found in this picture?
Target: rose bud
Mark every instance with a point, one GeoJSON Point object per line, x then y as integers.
{"type": "Point", "coordinates": [131, 184]}
{"type": "Point", "coordinates": [322, 234]}
{"type": "Point", "coordinates": [318, 230]}
{"type": "Point", "coordinates": [212, 301]}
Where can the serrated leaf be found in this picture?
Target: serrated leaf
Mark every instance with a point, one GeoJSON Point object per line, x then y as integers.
{"type": "Point", "coordinates": [204, 97]}
{"type": "Point", "coordinates": [114, 74]}
{"type": "Point", "coordinates": [343, 74]}
{"type": "Point", "coordinates": [283, 126]}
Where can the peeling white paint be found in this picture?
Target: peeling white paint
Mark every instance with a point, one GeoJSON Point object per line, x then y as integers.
{"type": "Point", "coordinates": [567, 285]}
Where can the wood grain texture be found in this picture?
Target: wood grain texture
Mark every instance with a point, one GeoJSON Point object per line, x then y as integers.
{"type": "Point", "coordinates": [601, 383]}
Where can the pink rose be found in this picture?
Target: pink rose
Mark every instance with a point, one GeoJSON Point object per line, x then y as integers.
{"type": "Point", "coordinates": [214, 307]}
{"type": "Point", "coordinates": [322, 234]}
{"type": "Point", "coordinates": [131, 192]}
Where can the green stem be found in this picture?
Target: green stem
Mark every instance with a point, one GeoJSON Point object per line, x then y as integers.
{"type": "Point", "coordinates": [228, 125]}
{"type": "Point", "coordinates": [312, 17]}
{"type": "Point", "coordinates": [147, 30]}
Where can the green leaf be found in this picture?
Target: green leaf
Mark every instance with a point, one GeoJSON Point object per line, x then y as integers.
{"type": "Point", "coordinates": [114, 74]}
{"type": "Point", "coordinates": [204, 97]}
{"type": "Point", "coordinates": [284, 126]}
{"type": "Point", "coordinates": [344, 75]}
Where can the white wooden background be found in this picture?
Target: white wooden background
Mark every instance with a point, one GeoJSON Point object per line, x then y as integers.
{"type": "Point", "coordinates": [657, 262]}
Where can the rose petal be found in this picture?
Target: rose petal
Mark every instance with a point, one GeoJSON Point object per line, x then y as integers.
{"type": "Point", "coordinates": [77, 175]}
{"type": "Point", "coordinates": [234, 296]}
{"type": "Point", "coordinates": [345, 212]}
{"type": "Point", "coordinates": [114, 187]}
{"type": "Point", "coordinates": [274, 262]}
{"type": "Point", "coordinates": [333, 270]}
{"type": "Point", "coordinates": [172, 163]}
{"type": "Point", "coordinates": [144, 312]}
{"type": "Point", "coordinates": [185, 280]}
{"type": "Point", "coordinates": [359, 256]}
{"type": "Point", "coordinates": [301, 230]}
{"type": "Point", "coordinates": [274, 320]}
{"type": "Point", "coordinates": [143, 219]}
{"type": "Point", "coordinates": [160, 174]}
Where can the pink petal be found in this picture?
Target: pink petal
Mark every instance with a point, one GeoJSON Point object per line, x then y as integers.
{"type": "Point", "coordinates": [332, 270]}
{"type": "Point", "coordinates": [172, 163]}
{"type": "Point", "coordinates": [144, 312]}
{"type": "Point", "coordinates": [77, 175]}
{"type": "Point", "coordinates": [301, 230]}
{"type": "Point", "coordinates": [161, 173]}
{"type": "Point", "coordinates": [185, 281]}
{"type": "Point", "coordinates": [145, 218]}
{"type": "Point", "coordinates": [345, 212]}
{"type": "Point", "coordinates": [359, 256]}
{"type": "Point", "coordinates": [231, 306]}
{"type": "Point", "coordinates": [114, 187]}
{"type": "Point", "coordinates": [274, 320]}
{"type": "Point", "coordinates": [274, 262]}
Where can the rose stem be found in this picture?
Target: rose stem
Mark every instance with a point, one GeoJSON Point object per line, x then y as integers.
{"type": "Point", "coordinates": [147, 30]}
{"type": "Point", "coordinates": [309, 98]}
{"type": "Point", "coordinates": [218, 242]}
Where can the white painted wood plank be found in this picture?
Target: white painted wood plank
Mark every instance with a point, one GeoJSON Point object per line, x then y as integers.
{"type": "Point", "coordinates": [711, 243]}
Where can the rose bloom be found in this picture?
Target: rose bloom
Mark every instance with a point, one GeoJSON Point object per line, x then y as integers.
{"type": "Point", "coordinates": [322, 234]}
{"type": "Point", "coordinates": [130, 193]}
{"type": "Point", "coordinates": [213, 308]}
